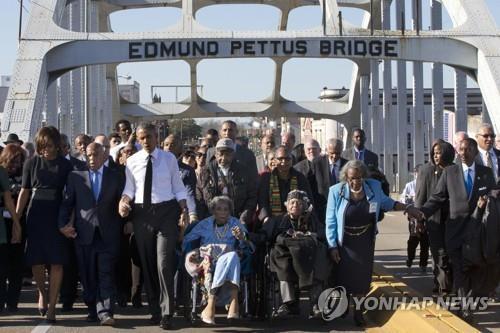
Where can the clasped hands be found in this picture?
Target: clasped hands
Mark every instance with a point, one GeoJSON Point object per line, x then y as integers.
{"type": "Point", "coordinates": [68, 231]}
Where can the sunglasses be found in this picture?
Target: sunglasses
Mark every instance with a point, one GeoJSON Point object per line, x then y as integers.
{"type": "Point", "coordinates": [487, 135]}
{"type": "Point", "coordinates": [286, 158]}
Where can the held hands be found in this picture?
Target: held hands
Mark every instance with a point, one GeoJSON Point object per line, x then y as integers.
{"type": "Point", "coordinates": [482, 201]}
{"type": "Point", "coordinates": [415, 213]}
{"type": "Point", "coordinates": [128, 228]}
{"type": "Point", "coordinates": [124, 207]}
{"type": "Point", "coordinates": [68, 231]}
{"type": "Point", "coordinates": [16, 233]}
{"type": "Point", "coordinates": [335, 255]}
{"type": "Point", "coordinates": [184, 219]}
{"type": "Point", "coordinates": [237, 233]}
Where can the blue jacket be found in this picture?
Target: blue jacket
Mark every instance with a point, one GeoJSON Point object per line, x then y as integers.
{"type": "Point", "coordinates": [338, 198]}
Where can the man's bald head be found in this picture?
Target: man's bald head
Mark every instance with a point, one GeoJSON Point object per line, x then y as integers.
{"type": "Point", "coordinates": [103, 141]}
{"type": "Point", "coordinates": [334, 148]}
{"type": "Point", "coordinates": [95, 156]}
{"type": "Point", "coordinates": [457, 140]}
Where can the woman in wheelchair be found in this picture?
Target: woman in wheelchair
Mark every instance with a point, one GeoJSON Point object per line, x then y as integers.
{"type": "Point", "coordinates": [221, 239]}
{"type": "Point", "coordinates": [298, 253]}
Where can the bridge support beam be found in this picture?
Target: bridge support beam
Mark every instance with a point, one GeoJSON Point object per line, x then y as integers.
{"type": "Point", "coordinates": [460, 101]}
{"type": "Point", "coordinates": [437, 78]}
{"type": "Point", "coordinates": [418, 93]}
{"type": "Point", "coordinates": [402, 103]}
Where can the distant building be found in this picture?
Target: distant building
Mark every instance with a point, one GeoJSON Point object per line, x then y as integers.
{"type": "Point", "coordinates": [4, 90]}
{"type": "Point", "coordinates": [324, 129]}
{"type": "Point", "coordinates": [130, 92]}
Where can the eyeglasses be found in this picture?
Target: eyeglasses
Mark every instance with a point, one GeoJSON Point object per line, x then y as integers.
{"type": "Point", "coordinates": [201, 155]}
{"type": "Point", "coordinates": [487, 135]}
{"type": "Point", "coordinates": [285, 158]}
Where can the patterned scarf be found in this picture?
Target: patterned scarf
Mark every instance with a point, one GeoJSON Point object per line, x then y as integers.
{"type": "Point", "coordinates": [274, 193]}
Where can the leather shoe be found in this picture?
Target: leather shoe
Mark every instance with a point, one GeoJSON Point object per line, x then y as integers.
{"type": "Point", "coordinates": [467, 316]}
{"type": "Point", "coordinates": [67, 307]}
{"type": "Point", "coordinates": [91, 318]}
{"type": "Point", "coordinates": [359, 318]}
{"type": "Point", "coordinates": [136, 301]}
{"type": "Point", "coordinates": [166, 323]}
{"type": "Point", "coordinates": [107, 320]}
{"type": "Point", "coordinates": [155, 319]}
{"type": "Point", "coordinates": [287, 309]}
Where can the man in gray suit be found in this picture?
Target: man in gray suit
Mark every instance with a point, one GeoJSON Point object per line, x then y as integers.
{"type": "Point", "coordinates": [462, 186]}
{"type": "Point", "coordinates": [93, 196]}
{"type": "Point", "coordinates": [488, 155]}
{"type": "Point", "coordinates": [327, 172]}
{"type": "Point", "coordinates": [267, 144]}
{"type": "Point", "coordinates": [359, 152]}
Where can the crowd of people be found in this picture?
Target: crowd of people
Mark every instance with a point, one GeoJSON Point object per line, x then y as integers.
{"type": "Point", "coordinates": [127, 205]}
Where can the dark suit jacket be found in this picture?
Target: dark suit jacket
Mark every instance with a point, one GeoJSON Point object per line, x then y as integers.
{"type": "Point", "coordinates": [243, 190]}
{"type": "Point", "coordinates": [188, 176]}
{"type": "Point", "coordinates": [111, 163]}
{"type": "Point", "coordinates": [89, 214]}
{"type": "Point", "coordinates": [322, 172]}
{"type": "Point", "coordinates": [427, 180]}
{"type": "Point", "coordinates": [369, 157]}
{"type": "Point", "coordinates": [77, 164]}
{"type": "Point", "coordinates": [263, 193]}
{"type": "Point", "coordinates": [451, 189]}
{"type": "Point", "coordinates": [261, 164]}
{"type": "Point", "coordinates": [479, 161]}
{"type": "Point", "coordinates": [244, 156]}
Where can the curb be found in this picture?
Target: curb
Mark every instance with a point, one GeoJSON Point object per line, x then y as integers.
{"type": "Point", "coordinates": [429, 319]}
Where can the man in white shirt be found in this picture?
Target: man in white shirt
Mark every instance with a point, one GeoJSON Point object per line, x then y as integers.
{"type": "Point", "coordinates": [153, 182]}
{"type": "Point", "coordinates": [488, 155]}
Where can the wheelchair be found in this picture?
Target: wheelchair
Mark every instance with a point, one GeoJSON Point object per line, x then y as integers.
{"type": "Point", "coordinates": [194, 294]}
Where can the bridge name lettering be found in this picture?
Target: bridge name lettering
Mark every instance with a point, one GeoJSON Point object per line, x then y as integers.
{"type": "Point", "coordinates": [356, 48]}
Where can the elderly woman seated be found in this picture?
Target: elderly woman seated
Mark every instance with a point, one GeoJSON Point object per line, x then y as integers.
{"type": "Point", "coordinates": [299, 254]}
{"type": "Point", "coordinates": [221, 236]}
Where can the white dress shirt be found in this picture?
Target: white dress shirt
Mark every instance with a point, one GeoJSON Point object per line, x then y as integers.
{"type": "Point", "coordinates": [494, 160]}
{"type": "Point", "coordinates": [408, 195]}
{"type": "Point", "coordinates": [472, 171]}
{"type": "Point", "coordinates": [335, 165]}
{"type": "Point", "coordinates": [167, 183]}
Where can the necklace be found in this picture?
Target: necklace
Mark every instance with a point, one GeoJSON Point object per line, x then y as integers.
{"type": "Point", "coordinates": [220, 234]}
{"type": "Point", "coordinates": [356, 192]}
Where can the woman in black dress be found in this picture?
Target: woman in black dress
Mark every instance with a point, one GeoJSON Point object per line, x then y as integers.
{"type": "Point", "coordinates": [44, 178]}
{"type": "Point", "coordinates": [353, 210]}
{"type": "Point", "coordinates": [442, 155]}
{"type": "Point", "coordinates": [11, 240]}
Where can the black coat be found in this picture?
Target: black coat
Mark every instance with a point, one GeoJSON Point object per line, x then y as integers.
{"type": "Point", "coordinates": [242, 191]}
{"type": "Point", "coordinates": [451, 189]}
{"type": "Point", "coordinates": [369, 157]}
{"type": "Point", "coordinates": [242, 155]}
{"type": "Point", "coordinates": [427, 180]}
{"type": "Point", "coordinates": [303, 259]}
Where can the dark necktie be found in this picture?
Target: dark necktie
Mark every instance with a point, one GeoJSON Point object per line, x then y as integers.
{"type": "Point", "coordinates": [333, 176]}
{"type": "Point", "coordinates": [148, 183]}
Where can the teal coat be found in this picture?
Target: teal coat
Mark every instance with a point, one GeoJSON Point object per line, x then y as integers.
{"type": "Point", "coordinates": [338, 198]}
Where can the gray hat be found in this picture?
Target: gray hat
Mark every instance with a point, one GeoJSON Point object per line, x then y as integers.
{"type": "Point", "coordinates": [223, 144]}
